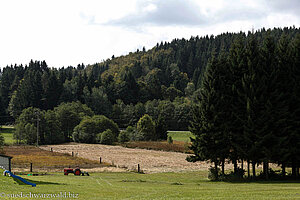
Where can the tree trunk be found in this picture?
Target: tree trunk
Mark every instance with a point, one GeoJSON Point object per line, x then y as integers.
{"type": "Point", "coordinates": [242, 165]}
{"type": "Point", "coordinates": [248, 168]}
{"type": "Point", "coordinates": [253, 169]}
{"type": "Point", "coordinates": [235, 166]}
{"type": "Point", "coordinates": [283, 169]}
{"type": "Point", "coordinates": [223, 167]}
{"type": "Point", "coordinates": [266, 169]}
{"type": "Point", "coordinates": [216, 168]}
{"type": "Point", "coordinates": [294, 170]}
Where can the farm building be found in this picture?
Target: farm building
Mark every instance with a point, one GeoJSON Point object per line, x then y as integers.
{"type": "Point", "coordinates": [5, 162]}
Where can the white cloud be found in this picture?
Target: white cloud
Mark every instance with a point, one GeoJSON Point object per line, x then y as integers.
{"type": "Point", "coordinates": [69, 32]}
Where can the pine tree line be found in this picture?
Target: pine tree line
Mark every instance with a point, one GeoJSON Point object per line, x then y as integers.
{"type": "Point", "coordinates": [249, 106]}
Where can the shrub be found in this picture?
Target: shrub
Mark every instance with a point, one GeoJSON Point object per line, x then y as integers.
{"type": "Point", "coordinates": [1, 140]}
{"type": "Point", "coordinates": [123, 137]}
{"type": "Point", "coordinates": [231, 177]}
{"type": "Point", "coordinates": [213, 174]}
{"type": "Point", "coordinates": [132, 133]}
{"type": "Point", "coordinates": [86, 131]}
{"type": "Point", "coordinates": [146, 128]}
{"type": "Point", "coordinates": [273, 175]}
{"type": "Point", "coordinates": [103, 123]}
{"type": "Point", "coordinates": [98, 138]}
{"type": "Point", "coordinates": [170, 140]}
{"type": "Point", "coordinates": [161, 128]}
{"type": "Point", "coordinates": [107, 137]}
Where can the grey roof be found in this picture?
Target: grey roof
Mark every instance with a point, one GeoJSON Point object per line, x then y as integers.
{"type": "Point", "coordinates": [1, 155]}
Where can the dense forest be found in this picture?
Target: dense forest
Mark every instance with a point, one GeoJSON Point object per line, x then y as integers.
{"type": "Point", "coordinates": [163, 82]}
{"type": "Point", "coordinates": [249, 106]}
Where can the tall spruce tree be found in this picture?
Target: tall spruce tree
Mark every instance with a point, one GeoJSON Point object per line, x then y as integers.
{"type": "Point", "coordinates": [237, 67]}
{"type": "Point", "coordinates": [210, 141]}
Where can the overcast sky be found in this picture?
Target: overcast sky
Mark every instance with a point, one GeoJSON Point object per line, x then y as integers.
{"type": "Point", "coordinates": [69, 32]}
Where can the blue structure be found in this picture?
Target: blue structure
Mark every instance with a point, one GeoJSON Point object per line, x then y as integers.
{"type": "Point", "coordinates": [19, 178]}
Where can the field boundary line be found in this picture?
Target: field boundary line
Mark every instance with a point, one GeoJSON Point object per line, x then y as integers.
{"type": "Point", "coordinates": [106, 181]}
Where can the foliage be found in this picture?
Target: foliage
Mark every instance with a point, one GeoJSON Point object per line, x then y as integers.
{"type": "Point", "coordinates": [97, 100]}
{"type": "Point", "coordinates": [146, 128]}
{"type": "Point", "coordinates": [242, 87]}
{"type": "Point", "coordinates": [235, 119]}
{"type": "Point", "coordinates": [69, 115]}
{"type": "Point", "coordinates": [103, 123]}
{"type": "Point", "coordinates": [123, 137]}
{"type": "Point", "coordinates": [88, 129]}
{"type": "Point", "coordinates": [1, 140]}
{"type": "Point", "coordinates": [107, 137]}
{"type": "Point", "coordinates": [213, 173]}
{"type": "Point", "coordinates": [170, 140]}
{"type": "Point", "coordinates": [161, 128]}
{"type": "Point", "coordinates": [26, 128]}
{"type": "Point", "coordinates": [53, 133]}
{"type": "Point", "coordinates": [132, 133]}
{"type": "Point", "coordinates": [52, 125]}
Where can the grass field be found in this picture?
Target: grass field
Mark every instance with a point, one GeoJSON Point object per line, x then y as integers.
{"type": "Point", "coordinates": [193, 185]}
{"type": "Point", "coordinates": [183, 136]}
{"type": "Point", "coordinates": [7, 132]}
{"type": "Point", "coordinates": [42, 159]}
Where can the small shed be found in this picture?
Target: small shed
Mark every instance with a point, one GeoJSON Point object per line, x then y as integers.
{"type": "Point", "coordinates": [5, 162]}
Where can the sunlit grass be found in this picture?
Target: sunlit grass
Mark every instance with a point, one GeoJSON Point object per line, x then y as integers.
{"type": "Point", "coordinates": [192, 185]}
{"type": "Point", "coordinates": [183, 136]}
{"type": "Point", "coordinates": [7, 132]}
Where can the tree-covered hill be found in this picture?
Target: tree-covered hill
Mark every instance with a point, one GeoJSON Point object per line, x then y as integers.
{"type": "Point", "coordinates": [163, 82]}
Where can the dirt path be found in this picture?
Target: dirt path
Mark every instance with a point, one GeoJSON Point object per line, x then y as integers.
{"type": "Point", "coordinates": [150, 161]}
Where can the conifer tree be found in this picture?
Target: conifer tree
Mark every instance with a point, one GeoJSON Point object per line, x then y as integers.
{"type": "Point", "coordinates": [210, 141]}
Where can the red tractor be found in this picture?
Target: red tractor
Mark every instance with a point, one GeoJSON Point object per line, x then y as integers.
{"type": "Point", "coordinates": [76, 172]}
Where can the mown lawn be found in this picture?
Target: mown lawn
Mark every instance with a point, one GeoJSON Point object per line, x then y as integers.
{"type": "Point", "coordinates": [7, 132]}
{"type": "Point", "coordinates": [183, 136]}
{"type": "Point", "coordinates": [193, 185]}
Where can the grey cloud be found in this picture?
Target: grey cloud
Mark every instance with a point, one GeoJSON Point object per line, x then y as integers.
{"type": "Point", "coordinates": [188, 13]}
{"type": "Point", "coordinates": [167, 12]}
{"type": "Point", "coordinates": [285, 6]}
{"type": "Point", "coordinates": [233, 10]}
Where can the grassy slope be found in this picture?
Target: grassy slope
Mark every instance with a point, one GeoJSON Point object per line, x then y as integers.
{"type": "Point", "coordinates": [192, 185]}
{"type": "Point", "coordinates": [7, 132]}
{"type": "Point", "coordinates": [183, 136]}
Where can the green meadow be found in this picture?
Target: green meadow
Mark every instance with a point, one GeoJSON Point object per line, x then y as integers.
{"type": "Point", "coordinates": [192, 185]}
{"type": "Point", "coordinates": [183, 136]}
{"type": "Point", "coordinates": [7, 132]}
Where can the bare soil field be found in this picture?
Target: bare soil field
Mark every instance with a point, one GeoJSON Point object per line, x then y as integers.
{"type": "Point", "coordinates": [151, 161]}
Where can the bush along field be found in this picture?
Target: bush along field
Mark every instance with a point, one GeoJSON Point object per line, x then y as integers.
{"type": "Point", "coordinates": [192, 185]}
